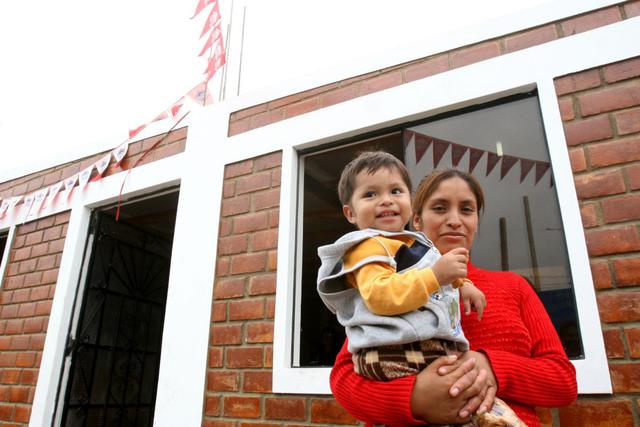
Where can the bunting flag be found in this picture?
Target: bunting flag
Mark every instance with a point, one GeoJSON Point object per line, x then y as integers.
{"type": "Point", "coordinates": [119, 152]}
{"type": "Point", "coordinates": [215, 38]}
{"type": "Point", "coordinates": [38, 201]}
{"type": "Point", "coordinates": [457, 151]}
{"type": "Point", "coordinates": [84, 175]}
{"type": "Point", "coordinates": [216, 61]}
{"type": "Point", "coordinates": [200, 94]}
{"type": "Point", "coordinates": [101, 166]}
{"type": "Point", "coordinates": [201, 5]}
{"type": "Point", "coordinates": [541, 169]}
{"type": "Point", "coordinates": [3, 207]}
{"type": "Point", "coordinates": [212, 20]}
{"type": "Point", "coordinates": [406, 138]}
{"type": "Point", "coordinates": [69, 183]}
{"type": "Point", "coordinates": [54, 190]}
{"type": "Point", "coordinates": [525, 168]}
{"type": "Point", "coordinates": [134, 132]}
{"type": "Point", "coordinates": [439, 148]}
{"type": "Point", "coordinates": [506, 165]}
{"type": "Point", "coordinates": [422, 145]}
{"type": "Point", "coordinates": [14, 202]}
{"type": "Point", "coordinates": [28, 202]}
{"type": "Point", "coordinates": [492, 161]}
{"type": "Point", "coordinates": [475, 155]}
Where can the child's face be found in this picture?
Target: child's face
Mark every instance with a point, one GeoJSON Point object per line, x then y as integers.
{"type": "Point", "coordinates": [380, 200]}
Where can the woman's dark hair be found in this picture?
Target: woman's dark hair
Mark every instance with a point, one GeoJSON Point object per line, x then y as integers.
{"type": "Point", "coordinates": [431, 182]}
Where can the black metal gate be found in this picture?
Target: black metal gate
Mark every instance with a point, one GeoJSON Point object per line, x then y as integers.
{"type": "Point", "coordinates": [113, 350]}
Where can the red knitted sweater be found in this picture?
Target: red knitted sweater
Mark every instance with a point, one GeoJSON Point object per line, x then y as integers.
{"type": "Point", "coordinates": [515, 333]}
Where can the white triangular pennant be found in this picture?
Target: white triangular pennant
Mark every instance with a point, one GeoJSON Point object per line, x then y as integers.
{"type": "Point", "coordinates": [120, 152]}
{"type": "Point", "coordinates": [38, 201]}
{"type": "Point", "coordinates": [3, 207]}
{"type": "Point", "coordinates": [28, 203]}
{"type": "Point", "coordinates": [84, 176]}
{"type": "Point", "coordinates": [101, 165]}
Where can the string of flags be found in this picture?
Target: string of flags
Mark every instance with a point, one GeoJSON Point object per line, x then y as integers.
{"type": "Point", "coordinates": [198, 96]}
{"type": "Point", "coordinates": [440, 147]}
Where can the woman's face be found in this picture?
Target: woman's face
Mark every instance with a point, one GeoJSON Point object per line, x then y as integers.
{"type": "Point", "coordinates": [449, 216]}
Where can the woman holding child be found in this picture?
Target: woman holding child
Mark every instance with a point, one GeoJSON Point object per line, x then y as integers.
{"type": "Point", "coordinates": [515, 350]}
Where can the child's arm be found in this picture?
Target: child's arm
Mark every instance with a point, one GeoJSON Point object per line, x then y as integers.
{"type": "Point", "coordinates": [472, 297]}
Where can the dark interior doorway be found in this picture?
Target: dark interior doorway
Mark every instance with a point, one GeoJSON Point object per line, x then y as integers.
{"type": "Point", "coordinates": [113, 349]}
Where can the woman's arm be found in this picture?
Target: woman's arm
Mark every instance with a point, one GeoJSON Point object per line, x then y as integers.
{"type": "Point", "coordinates": [547, 377]}
{"type": "Point", "coordinates": [409, 400]}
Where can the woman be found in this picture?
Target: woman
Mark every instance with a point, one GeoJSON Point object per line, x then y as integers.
{"type": "Point", "coordinates": [517, 356]}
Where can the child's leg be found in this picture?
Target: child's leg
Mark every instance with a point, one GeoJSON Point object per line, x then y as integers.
{"type": "Point", "coordinates": [500, 415]}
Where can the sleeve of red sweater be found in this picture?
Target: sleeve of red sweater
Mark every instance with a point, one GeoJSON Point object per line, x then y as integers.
{"type": "Point", "coordinates": [375, 402]}
{"type": "Point", "coordinates": [546, 378]}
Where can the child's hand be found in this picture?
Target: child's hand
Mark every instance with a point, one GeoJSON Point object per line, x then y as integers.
{"type": "Point", "coordinates": [451, 266]}
{"type": "Point", "coordinates": [472, 297]}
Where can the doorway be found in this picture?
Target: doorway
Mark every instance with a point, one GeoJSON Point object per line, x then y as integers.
{"type": "Point", "coordinates": [112, 356]}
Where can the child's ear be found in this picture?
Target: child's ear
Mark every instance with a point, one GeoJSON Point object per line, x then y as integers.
{"type": "Point", "coordinates": [417, 224]}
{"type": "Point", "coordinates": [349, 214]}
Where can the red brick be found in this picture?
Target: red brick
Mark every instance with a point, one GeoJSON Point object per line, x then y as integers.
{"type": "Point", "coordinates": [609, 99]}
{"type": "Point", "coordinates": [229, 189]}
{"type": "Point", "coordinates": [10, 311]}
{"type": "Point", "coordinates": [46, 262]}
{"type": "Point", "coordinates": [8, 359]}
{"type": "Point", "coordinates": [257, 382]}
{"type": "Point", "coordinates": [613, 241]}
{"type": "Point", "coordinates": [39, 250]}
{"type": "Point", "coordinates": [614, 152]}
{"type": "Point", "coordinates": [229, 288]}
{"type": "Point", "coordinates": [26, 360]}
{"type": "Point", "coordinates": [37, 340]}
{"type": "Point", "coordinates": [13, 282]}
{"type": "Point", "coordinates": [13, 326]}
{"type": "Point", "coordinates": [253, 183]}
{"type": "Point", "coordinates": [262, 285]}
{"type": "Point", "coordinates": [276, 177]}
{"type": "Point", "coordinates": [238, 169]}
{"type": "Point", "coordinates": [267, 199]}
{"type": "Point", "coordinates": [43, 308]}
{"type": "Point", "coordinates": [267, 118]}
{"type": "Point", "coordinates": [235, 206]}
{"type": "Point", "coordinates": [633, 340]}
{"type": "Point", "coordinates": [287, 100]}
{"type": "Point", "coordinates": [219, 312]}
{"type": "Point", "coordinates": [29, 376]}
{"type": "Point", "coordinates": [27, 266]}
{"type": "Point", "coordinates": [272, 261]}
{"type": "Point", "coordinates": [623, 208]}
{"type": "Point", "coordinates": [239, 126]}
{"type": "Point", "coordinates": [625, 377]}
{"type": "Point", "coordinates": [429, 67]}
{"type": "Point", "coordinates": [270, 304]}
{"type": "Point", "coordinates": [577, 82]}
{"type": "Point", "coordinates": [632, 9]}
{"type": "Point", "coordinates": [284, 408]}
{"type": "Point", "coordinates": [33, 325]}
{"type": "Point", "coordinates": [247, 112]}
{"type": "Point", "coordinates": [49, 276]}
{"type": "Point", "coordinates": [244, 357]}
{"type": "Point", "coordinates": [589, 130]}
{"type": "Point", "coordinates": [21, 295]}
{"type": "Point", "coordinates": [599, 184]}
{"type": "Point", "coordinates": [225, 227]}
{"type": "Point", "coordinates": [246, 310]}
{"type": "Point", "coordinates": [222, 266]}
{"type": "Point", "coordinates": [249, 263]}
{"type": "Point", "coordinates": [475, 53]}
{"type": "Point", "coordinates": [19, 394]}
{"type": "Point", "coordinates": [274, 218]}
{"type": "Point", "coordinates": [261, 332]}
{"type": "Point", "coordinates": [329, 412]}
{"type": "Point", "coordinates": [613, 344]}
{"type": "Point", "coordinates": [578, 160]}
{"type": "Point", "coordinates": [21, 254]}
{"type": "Point", "coordinates": [19, 342]}
{"type": "Point", "coordinates": [627, 271]}
{"type": "Point", "coordinates": [250, 222]}
{"type": "Point", "coordinates": [52, 233]}
{"type": "Point", "coordinates": [233, 244]}
{"type": "Point", "coordinates": [40, 292]}
{"type": "Point", "coordinates": [628, 121]}
{"type": "Point", "coordinates": [241, 407]}
{"type": "Point", "coordinates": [215, 358]}
{"type": "Point", "coordinates": [597, 413]}
{"type": "Point", "coordinates": [267, 239]}
{"type": "Point", "coordinates": [10, 376]}
{"type": "Point", "coordinates": [33, 238]}
{"type": "Point", "coordinates": [23, 413]}
{"type": "Point", "coordinates": [218, 423]}
{"type": "Point", "coordinates": [566, 109]}
{"type": "Point", "coordinates": [268, 161]}
{"type": "Point", "coordinates": [223, 381]}
{"type": "Point", "coordinates": [622, 70]}
{"type": "Point", "coordinates": [45, 222]}
{"type": "Point", "coordinates": [34, 278]}
{"type": "Point", "coordinates": [261, 425]}
{"type": "Point", "coordinates": [226, 334]}
{"type": "Point", "coordinates": [27, 309]}
{"type": "Point", "coordinates": [382, 82]}
{"type": "Point", "coordinates": [619, 307]}
{"type": "Point", "coordinates": [633, 172]}
{"type": "Point", "coordinates": [589, 215]}
{"type": "Point", "coordinates": [212, 406]}
{"type": "Point", "coordinates": [63, 217]}
{"type": "Point", "coordinates": [339, 95]}
{"type": "Point", "coordinates": [302, 107]}
{"type": "Point", "coordinates": [590, 21]}
{"type": "Point", "coordinates": [530, 38]}
{"type": "Point", "coordinates": [35, 184]}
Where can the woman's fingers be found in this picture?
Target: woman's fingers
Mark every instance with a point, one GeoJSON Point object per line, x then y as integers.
{"type": "Point", "coordinates": [489, 398]}
{"type": "Point", "coordinates": [476, 394]}
{"type": "Point", "coordinates": [464, 375]}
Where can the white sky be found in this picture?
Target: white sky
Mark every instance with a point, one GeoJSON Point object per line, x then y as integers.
{"type": "Point", "coordinates": [81, 73]}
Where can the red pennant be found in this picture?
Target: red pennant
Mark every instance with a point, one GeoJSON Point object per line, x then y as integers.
{"type": "Point", "coordinates": [422, 144]}
{"type": "Point", "coordinates": [457, 151]}
{"type": "Point", "coordinates": [215, 38]}
{"type": "Point", "coordinates": [525, 168]}
{"type": "Point", "coordinates": [507, 164]}
{"type": "Point", "coordinates": [474, 157]}
{"type": "Point", "coordinates": [541, 169]}
{"type": "Point", "coordinates": [439, 148]}
{"type": "Point", "coordinates": [201, 5]}
{"type": "Point", "coordinates": [406, 137]}
{"type": "Point", "coordinates": [212, 20]}
{"type": "Point", "coordinates": [492, 161]}
{"type": "Point", "coordinates": [134, 132]}
{"type": "Point", "coordinates": [215, 63]}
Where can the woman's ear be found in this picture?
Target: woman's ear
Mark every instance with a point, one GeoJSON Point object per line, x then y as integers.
{"type": "Point", "coordinates": [417, 223]}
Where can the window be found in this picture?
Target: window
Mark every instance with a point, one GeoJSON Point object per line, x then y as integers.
{"type": "Point", "coordinates": [503, 145]}
{"type": "Point", "coordinates": [6, 237]}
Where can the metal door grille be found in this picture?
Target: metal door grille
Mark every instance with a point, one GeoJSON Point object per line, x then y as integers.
{"type": "Point", "coordinates": [115, 352]}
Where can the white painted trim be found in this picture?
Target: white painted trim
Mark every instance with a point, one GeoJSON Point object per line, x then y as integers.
{"type": "Point", "coordinates": [473, 84]}
{"type": "Point", "coordinates": [4, 261]}
{"type": "Point", "coordinates": [509, 24]}
{"type": "Point", "coordinates": [146, 178]}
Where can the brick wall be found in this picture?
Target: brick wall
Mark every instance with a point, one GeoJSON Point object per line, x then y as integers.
{"type": "Point", "coordinates": [25, 304]}
{"type": "Point", "coordinates": [173, 144]}
{"type": "Point", "coordinates": [601, 113]}
{"type": "Point", "coordinates": [238, 389]}
{"type": "Point", "coordinates": [293, 105]}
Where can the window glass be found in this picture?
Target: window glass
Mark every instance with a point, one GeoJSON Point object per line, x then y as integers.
{"type": "Point", "coordinates": [503, 145]}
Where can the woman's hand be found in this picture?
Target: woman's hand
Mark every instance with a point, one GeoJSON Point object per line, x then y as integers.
{"type": "Point", "coordinates": [452, 395]}
{"type": "Point", "coordinates": [483, 401]}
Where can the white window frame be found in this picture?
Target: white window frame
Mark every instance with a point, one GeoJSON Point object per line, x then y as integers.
{"type": "Point", "coordinates": [517, 72]}
{"type": "Point", "coordinates": [4, 260]}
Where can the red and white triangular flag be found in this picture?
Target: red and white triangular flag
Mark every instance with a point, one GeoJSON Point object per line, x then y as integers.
{"type": "Point", "coordinates": [101, 166]}
{"type": "Point", "coordinates": [215, 38]}
{"type": "Point", "coordinates": [38, 201]}
{"type": "Point", "coordinates": [53, 191]}
{"type": "Point", "coordinates": [28, 203]}
{"type": "Point", "coordinates": [14, 202]}
{"type": "Point", "coordinates": [70, 183]}
{"type": "Point", "coordinates": [120, 152]}
{"type": "Point", "coordinates": [84, 175]}
{"type": "Point", "coordinates": [134, 132]}
{"type": "Point", "coordinates": [215, 63]}
{"type": "Point", "coordinates": [3, 207]}
{"type": "Point", "coordinates": [212, 20]}
{"type": "Point", "coordinates": [201, 5]}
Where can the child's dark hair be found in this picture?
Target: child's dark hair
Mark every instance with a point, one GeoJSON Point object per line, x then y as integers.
{"type": "Point", "coordinates": [371, 161]}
